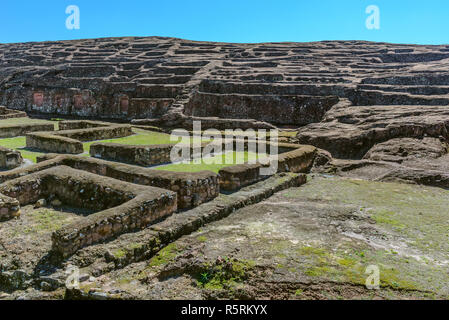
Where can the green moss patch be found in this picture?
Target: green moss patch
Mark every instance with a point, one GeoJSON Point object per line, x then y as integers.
{"type": "Point", "coordinates": [225, 160]}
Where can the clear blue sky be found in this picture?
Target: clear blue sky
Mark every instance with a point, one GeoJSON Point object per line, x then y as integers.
{"type": "Point", "coordinates": [401, 21]}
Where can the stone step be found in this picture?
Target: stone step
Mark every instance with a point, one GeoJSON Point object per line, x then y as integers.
{"type": "Point", "coordinates": [415, 90]}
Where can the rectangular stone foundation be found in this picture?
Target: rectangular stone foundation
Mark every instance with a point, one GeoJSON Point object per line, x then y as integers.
{"type": "Point", "coordinates": [122, 207]}
{"type": "Point", "coordinates": [53, 143]}
{"type": "Point", "coordinates": [9, 208]}
{"type": "Point", "coordinates": [140, 155]}
{"type": "Point", "coordinates": [70, 141]}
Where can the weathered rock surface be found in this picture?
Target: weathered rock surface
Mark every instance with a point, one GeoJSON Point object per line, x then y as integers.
{"type": "Point", "coordinates": [402, 149]}
{"type": "Point", "coordinates": [376, 111]}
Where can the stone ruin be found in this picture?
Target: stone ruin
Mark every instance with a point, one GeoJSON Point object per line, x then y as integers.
{"type": "Point", "coordinates": [374, 110]}
{"type": "Point", "coordinates": [121, 197]}
{"type": "Point", "coordinates": [71, 134]}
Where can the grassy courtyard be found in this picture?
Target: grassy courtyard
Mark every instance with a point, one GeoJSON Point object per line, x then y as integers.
{"type": "Point", "coordinates": [215, 163]}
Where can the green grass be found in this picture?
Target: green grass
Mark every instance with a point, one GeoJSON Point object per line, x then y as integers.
{"type": "Point", "coordinates": [164, 256]}
{"type": "Point", "coordinates": [237, 158]}
{"type": "Point", "coordinates": [141, 137]}
{"type": "Point", "coordinates": [421, 213]}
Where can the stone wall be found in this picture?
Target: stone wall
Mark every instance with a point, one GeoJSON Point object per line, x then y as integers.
{"type": "Point", "coordinates": [6, 113]}
{"type": "Point", "coordinates": [10, 159]}
{"type": "Point", "coordinates": [285, 110]}
{"type": "Point", "coordinates": [123, 207]}
{"type": "Point", "coordinates": [98, 133]}
{"type": "Point", "coordinates": [298, 160]}
{"type": "Point", "coordinates": [53, 143]}
{"type": "Point", "coordinates": [9, 208]}
{"type": "Point", "coordinates": [235, 177]}
{"type": "Point", "coordinates": [14, 130]}
{"type": "Point", "coordinates": [81, 124]}
{"type": "Point", "coordinates": [192, 188]}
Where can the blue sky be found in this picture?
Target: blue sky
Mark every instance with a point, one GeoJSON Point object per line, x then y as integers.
{"type": "Point", "coordinates": [401, 21]}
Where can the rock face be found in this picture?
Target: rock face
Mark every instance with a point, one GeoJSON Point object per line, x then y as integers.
{"type": "Point", "coordinates": [168, 80]}
{"type": "Point", "coordinates": [349, 132]}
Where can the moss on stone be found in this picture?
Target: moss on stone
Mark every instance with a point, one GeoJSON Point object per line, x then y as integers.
{"type": "Point", "coordinates": [164, 256]}
{"type": "Point", "coordinates": [119, 253]}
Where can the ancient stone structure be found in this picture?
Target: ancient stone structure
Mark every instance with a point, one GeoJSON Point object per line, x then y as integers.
{"type": "Point", "coordinates": [192, 188]}
{"type": "Point", "coordinates": [141, 155]}
{"type": "Point", "coordinates": [122, 207]}
{"type": "Point", "coordinates": [16, 130]}
{"type": "Point", "coordinates": [168, 81]}
{"type": "Point", "coordinates": [9, 208]}
{"type": "Point", "coordinates": [299, 159]}
{"type": "Point", "coordinates": [69, 138]}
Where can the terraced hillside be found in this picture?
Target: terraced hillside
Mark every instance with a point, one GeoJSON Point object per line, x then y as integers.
{"type": "Point", "coordinates": [168, 80]}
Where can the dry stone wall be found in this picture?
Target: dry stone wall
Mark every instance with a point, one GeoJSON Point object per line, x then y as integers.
{"type": "Point", "coordinates": [9, 208]}
{"type": "Point", "coordinates": [299, 160]}
{"type": "Point", "coordinates": [140, 155]}
{"type": "Point", "coordinates": [69, 141]}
